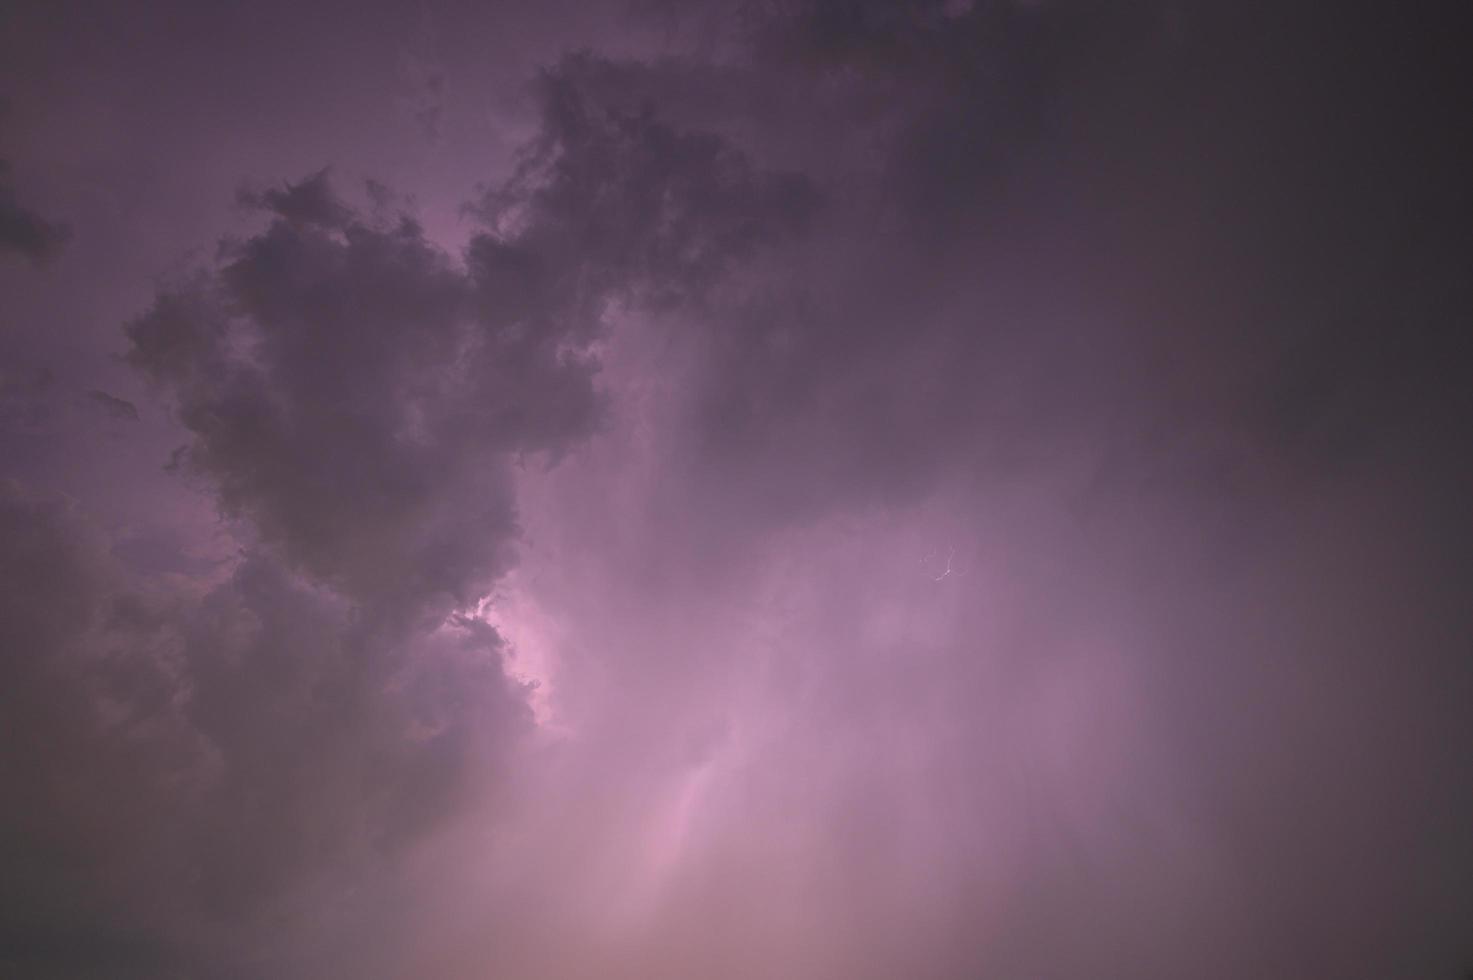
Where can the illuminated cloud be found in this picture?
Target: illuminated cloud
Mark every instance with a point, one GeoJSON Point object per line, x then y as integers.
{"type": "Point", "coordinates": [832, 489]}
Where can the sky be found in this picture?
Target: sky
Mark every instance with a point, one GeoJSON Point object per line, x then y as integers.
{"type": "Point", "coordinates": [761, 490]}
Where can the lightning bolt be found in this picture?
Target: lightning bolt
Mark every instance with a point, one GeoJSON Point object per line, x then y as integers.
{"type": "Point", "coordinates": [950, 552]}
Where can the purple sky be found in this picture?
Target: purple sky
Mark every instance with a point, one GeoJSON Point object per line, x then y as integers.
{"type": "Point", "coordinates": [752, 491]}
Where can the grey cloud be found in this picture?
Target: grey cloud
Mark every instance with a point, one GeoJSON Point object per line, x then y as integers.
{"type": "Point", "coordinates": [96, 783]}
{"type": "Point", "coordinates": [1053, 189]}
{"type": "Point", "coordinates": [326, 748]}
{"type": "Point", "coordinates": [309, 369]}
{"type": "Point", "coordinates": [201, 762]}
{"type": "Point", "coordinates": [632, 206]}
{"type": "Point", "coordinates": [310, 201]}
{"type": "Point", "coordinates": [1165, 368]}
{"type": "Point", "coordinates": [114, 407]}
{"type": "Point", "coordinates": [1114, 304]}
{"type": "Point", "coordinates": [22, 230]}
{"type": "Point", "coordinates": [362, 400]}
{"type": "Point", "coordinates": [221, 753]}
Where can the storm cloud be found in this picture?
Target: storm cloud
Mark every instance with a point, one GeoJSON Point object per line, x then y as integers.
{"type": "Point", "coordinates": [818, 489]}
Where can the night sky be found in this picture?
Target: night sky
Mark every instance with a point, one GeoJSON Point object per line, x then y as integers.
{"type": "Point", "coordinates": [772, 490]}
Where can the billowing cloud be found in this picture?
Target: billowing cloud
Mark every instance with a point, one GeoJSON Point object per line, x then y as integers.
{"type": "Point", "coordinates": [925, 489]}
{"type": "Point", "coordinates": [363, 399]}
{"type": "Point", "coordinates": [360, 403]}
{"type": "Point", "coordinates": [241, 747]}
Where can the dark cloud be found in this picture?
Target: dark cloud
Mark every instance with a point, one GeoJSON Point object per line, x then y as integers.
{"type": "Point", "coordinates": [239, 747]}
{"type": "Point", "coordinates": [310, 201]}
{"type": "Point", "coordinates": [628, 207]}
{"type": "Point", "coordinates": [1125, 301]}
{"type": "Point", "coordinates": [114, 407]}
{"type": "Point", "coordinates": [1050, 192]}
{"type": "Point", "coordinates": [24, 231]}
{"type": "Point", "coordinates": [360, 403]}
{"type": "Point", "coordinates": [363, 400]}
{"type": "Point", "coordinates": [311, 370]}
{"type": "Point", "coordinates": [96, 779]}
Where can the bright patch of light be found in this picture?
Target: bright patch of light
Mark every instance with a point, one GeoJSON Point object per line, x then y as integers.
{"type": "Point", "coordinates": [532, 641]}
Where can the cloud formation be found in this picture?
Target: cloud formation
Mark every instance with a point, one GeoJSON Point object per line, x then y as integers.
{"type": "Point", "coordinates": [359, 403]}
{"type": "Point", "coordinates": [925, 489]}
{"type": "Point", "coordinates": [362, 399]}
{"type": "Point", "coordinates": [241, 747]}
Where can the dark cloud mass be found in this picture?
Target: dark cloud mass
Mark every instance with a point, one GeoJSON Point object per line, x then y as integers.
{"type": "Point", "coordinates": [191, 761]}
{"type": "Point", "coordinates": [801, 489]}
{"type": "Point", "coordinates": [362, 399]}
